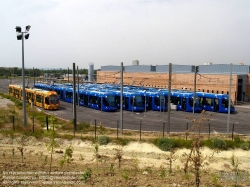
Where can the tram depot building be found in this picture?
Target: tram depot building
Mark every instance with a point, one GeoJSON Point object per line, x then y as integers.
{"type": "Point", "coordinates": [212, 78]}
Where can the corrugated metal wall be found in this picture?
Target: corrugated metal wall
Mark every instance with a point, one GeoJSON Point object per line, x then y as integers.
{"type": "Point", "coordinates": [139, 68]}
{"type": "Point", "coordinates": [224, 68]}
{"type": "Point", "coordinates": [111, 68]}
{"type": "Point", "coordinates": [208, 69]}
{"type": "Point", "coordinates": [175, 68]}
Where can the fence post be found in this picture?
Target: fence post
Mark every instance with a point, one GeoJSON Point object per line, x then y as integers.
{"type": "Point", "coordinates": [186, 131]}
{"type": "Point", "coordinates": [208, 130]}
{"type": "Point", "coordinates": [13, 122]}
{"type": "Point", "coordinates": [117, 128]}
{"type": "Point", "coordinates": [233, 132]}
{"type": "Point", "coordinates": [95, 128]}
{"type": "Point", "coordinates": [33, 128]}
{"type": "Point", "coordinates": [163, 129]}
{"type": "Point", "coordinates": [47, 123]}
{"type": "Point", "coordinates": [140, 130]}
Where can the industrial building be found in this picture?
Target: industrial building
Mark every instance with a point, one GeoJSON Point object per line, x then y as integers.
{"type": "Point", "coordinates": [210, 78]}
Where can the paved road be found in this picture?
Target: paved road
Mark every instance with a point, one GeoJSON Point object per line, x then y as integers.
{"type": "Point", "coordinates": [152, 120]}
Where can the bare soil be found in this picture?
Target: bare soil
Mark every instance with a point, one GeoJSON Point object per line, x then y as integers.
{"type": "Point", "coordinates": [142, 164]}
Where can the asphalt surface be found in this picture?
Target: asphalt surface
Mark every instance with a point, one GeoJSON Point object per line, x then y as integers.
{"type": "Point", "coordinates": [154, 120]}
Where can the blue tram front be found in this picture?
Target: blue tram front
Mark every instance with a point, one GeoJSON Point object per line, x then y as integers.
{"type": "Point", "coordinates": [103, 101]}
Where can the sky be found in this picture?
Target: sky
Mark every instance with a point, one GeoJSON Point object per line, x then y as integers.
{"type": "Point", "coordinates": [108, 32]}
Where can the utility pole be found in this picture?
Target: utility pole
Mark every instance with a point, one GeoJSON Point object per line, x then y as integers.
{"type": "Point", "coordinates": [74, 98]}
{"type": "Point", "coordinates": [78, 88]}
{"type": "Point", "coordinates": [229, 100]}
{"type": "Point", "coordinates": [196, 69]}
{"type": "Point", "coordinates": [169, 95]}
{"type": "Point", "coordinates": [121, 100]}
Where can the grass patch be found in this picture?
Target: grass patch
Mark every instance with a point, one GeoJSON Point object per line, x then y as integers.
{"type": "Point", "coordinates": [165, 144]}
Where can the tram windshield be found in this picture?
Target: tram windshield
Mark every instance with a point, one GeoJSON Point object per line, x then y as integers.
{"type": "Point", "coordinates": [138, 100]}
{"type": "Point", "coordinates": [69, 95]}
{"type": "Point", "coordinates": [109, 100]}
{"type": "Point", "coordinates": [225, 102]}
{"type": "Point", "coordinates": [53, 99]}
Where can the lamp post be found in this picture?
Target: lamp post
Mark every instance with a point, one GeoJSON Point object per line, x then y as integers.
{"type": "Point", "coordinates": [20, 36]}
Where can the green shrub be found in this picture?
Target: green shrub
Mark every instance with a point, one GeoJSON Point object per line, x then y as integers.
{"type": "Point", "coordinates": [208, 143]}
{"type": "Point", "coordinates": [237, 140]}
{"type": "Point", "coordinates": [183, 143]}
{"type": "Point", "coordinates": [165, 144]}
{"type": "Point", "coordinates": [231, 144]}
{"type": "Point", "coordinates": [83, 126]}
{"type": "Point", "coordinates": [103, 140]}
{"type": "Point", "coordinates": [219, 143]}
{"type": "Point", "coordinates": [122, 141]}
{"type": "Point", "coordinates": [244, 145]}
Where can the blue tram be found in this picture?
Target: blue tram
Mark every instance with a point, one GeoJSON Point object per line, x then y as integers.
{"type": "Point", "coordinates": [154, 100]}
{"type": "Point", "coordinates": [104, 101]}
{"type": "Point", "coordinates": [215, 102]}
{"type": "Point", "coordinates": [184, 101]}
{"type": "Point", "coordinates": [132, 101]}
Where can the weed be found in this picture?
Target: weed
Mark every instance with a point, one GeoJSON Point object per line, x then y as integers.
{"type": "Point", "coordinates": [235, 164]}
{"type": "Point", "coordinates": [195, 157]}
{"type": "Point", "coordinates": [112, 169]}
{"type": "Point", "coordinates": [149, 170]}
{"type": "Point", "coordinates": [162, 172]}
{"type": "Point", "coordinates": [102, 129]}
{"type": "Point", "coordinates": [136, 165]}
{"type": "Point", "coordinates": [103, 140]}
{"type": "Point", "coordinates": [215, 179]}
{"type": "Point", "coordinates": [68, 154]}
{"type": "Point", "coordinates": [86, 175]}
{"type": "Point", "coordinates": [13, 152]}
{"type": "Point", "coordinates": [21, 148]}
{"type": "Point", "coordinates": [81, 157]}
{"type": "Point", "coordinates": [125, 174]}
{"type": "Point", "coordinates": [171, 158]}
{"type": "Point", "coordinates": [52, 143]}
{"type": "Point", "coordinates": [118, 156]}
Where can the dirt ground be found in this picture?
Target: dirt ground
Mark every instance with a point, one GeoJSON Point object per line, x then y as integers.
{"type": "Point", "coordinates": [142, 164]}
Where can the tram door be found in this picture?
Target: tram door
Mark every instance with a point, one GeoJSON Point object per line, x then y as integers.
{"type": "Point", "coordinates": [183, 104]}
{"type": "Point", "coordinates": [216, 105]}
{"type": "Point", "coordinates": [85, 100]}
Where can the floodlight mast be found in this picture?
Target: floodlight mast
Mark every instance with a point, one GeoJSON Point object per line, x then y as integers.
{"type": "Point", "coordinates": [20, 36]}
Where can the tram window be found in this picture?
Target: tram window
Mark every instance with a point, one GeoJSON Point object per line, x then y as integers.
{"type": "Point", "coordinates": [224, 103]}
{"type": "Point", "coordinates": [105, 102]}
{"type": "Point", "coordinates": [38, 99]}
{"type": "Point", "coordinates": [68, 95]}
{"type": "Point", "coordinates": [46, 100]}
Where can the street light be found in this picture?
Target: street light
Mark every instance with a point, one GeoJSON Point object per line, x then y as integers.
{"type": "Point", "coordinates": [20, 36]}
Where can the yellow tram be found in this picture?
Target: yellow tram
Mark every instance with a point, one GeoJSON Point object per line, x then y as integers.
{"type": "Point", "coordinates": [47, 100]}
